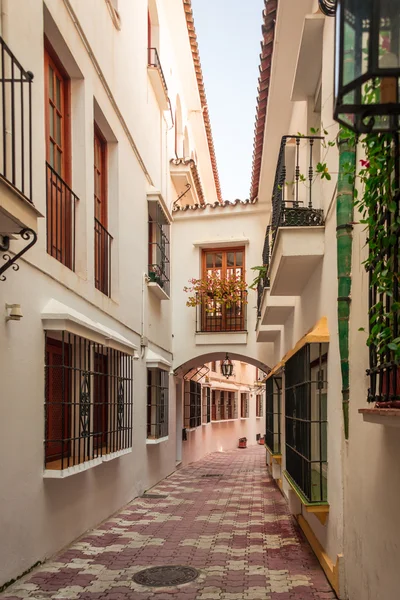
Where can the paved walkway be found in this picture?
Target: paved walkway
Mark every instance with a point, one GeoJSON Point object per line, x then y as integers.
{"type": "Point", "coordinates": [234, 528]}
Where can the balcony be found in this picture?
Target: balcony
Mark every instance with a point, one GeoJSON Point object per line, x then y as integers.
{"type": "Point", "coordinates": [61, 206]}
{"type": "Point", "coordinates": [102, 258]}
{"type": "Point", "coordinates": [18, 215]}
{"type": "Point", "coordinates": [186, 179]}
{"type": "Point", "coordinates": [295, 237]}
{"type": "Point", "coordinates": [213, 319]}
{"type": "Point", "coordinates": [157, 78]}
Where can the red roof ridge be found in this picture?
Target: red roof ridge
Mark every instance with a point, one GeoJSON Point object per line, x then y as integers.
{"type": "Point", "coordinates": [267, 48]}
{"type": "Point", "coordinates": [203, 98]}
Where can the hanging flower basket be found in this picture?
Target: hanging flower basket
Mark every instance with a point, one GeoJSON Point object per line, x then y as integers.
{"type": "Point", "coordinates": [227, 291]}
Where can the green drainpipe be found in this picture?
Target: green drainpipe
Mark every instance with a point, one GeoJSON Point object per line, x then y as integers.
{"type": "Point", "coordinates": [344, 237]}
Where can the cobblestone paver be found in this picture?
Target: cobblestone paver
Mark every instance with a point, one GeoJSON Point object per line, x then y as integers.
{"type": "Point", "coordinates": [234, 528]}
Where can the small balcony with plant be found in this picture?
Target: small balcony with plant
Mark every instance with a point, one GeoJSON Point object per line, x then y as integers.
{"type": "Point", "coordinates": [294, 240]}
{"type": "Point", "coordinates": [221, 306]}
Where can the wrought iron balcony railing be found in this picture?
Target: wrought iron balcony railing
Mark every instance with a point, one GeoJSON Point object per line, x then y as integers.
{"type": "Point", "coordinates": [15, 123]}
{"type": "Point", "coordinates": [264, 280]}
{"type": "Point", "coordinates": [61, 204]}
{"type": "Point", "coordinates": [217, 317]}
{"type": "Point", "coordinates": [292, 196]}
{"type": "Point", "coordinates": [102, 258]}
{"type": "Point", "coordinates": [153, 60]}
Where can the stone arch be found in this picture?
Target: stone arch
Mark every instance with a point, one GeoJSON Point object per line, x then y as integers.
{"type": "Point", "coordinates": [207, 357]}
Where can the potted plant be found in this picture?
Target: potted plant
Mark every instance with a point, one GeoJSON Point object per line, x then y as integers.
{"type": "Point", "coordinates": [227, 291]}
{"type": "Point", "coordinates": [243, 442]}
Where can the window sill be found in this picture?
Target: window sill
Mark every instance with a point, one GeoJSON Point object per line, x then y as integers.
{"type": "Point", "coordinates": [319, 509]}
{"type": "Point", "coordinates": [389, 417]}
{"type": "Point", "coordinates": [223, 420]}
{"type": "Point", "coordinates": [157, 290]}
{"type": "Point", "coordinates": [84, 466]}
{"type": "Point", "coordinates": [276, 457]}
{"type": "Point", "coordinates": [154, 441]}
{"type": "Point", "coordinates": [244, 418]}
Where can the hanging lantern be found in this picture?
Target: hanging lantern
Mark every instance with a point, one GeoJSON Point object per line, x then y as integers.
{"type": "Point", "coordinates": [227, 367]}
{"type": "Point", "coordinates": [367, 64]}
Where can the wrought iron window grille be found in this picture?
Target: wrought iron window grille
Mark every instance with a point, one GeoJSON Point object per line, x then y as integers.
{"type": "Point", "coordinates": [157, 403]}
{"type": "Point", "coordinates": [102, 258]}
{"type": "Point", "coordinates": [61, 217]}
{"type": "Point", "coordinates": [244, 405]}
{"type": "Point", "coordinates": [159, 247]}
{"type": "Point", "coordinates": [384, 370]}
{"type": "Point", "coordinates": [88, 400]}
{"type": "Point", "coordinates": [218, 317]}
{"type": "Point", "coordinates": [259, 406]}
{"type": "Point", "coordinates": [306, 420]}
{"type": "Point", "coordinates": [192, 404]}
{"type": "Point", "coordinates": [206, 404]}
{"type": "Point", "coordinates": [273, 408]}
{"type": "Point", "coordinates": [15, 123]}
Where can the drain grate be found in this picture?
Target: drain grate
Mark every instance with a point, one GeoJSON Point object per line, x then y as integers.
{"type": "Point", "coordinates": [154, 496]}
{"type": "Point", "coordinates": [213, 475]}
{"type": "Point", "coordinates": [166, 576]}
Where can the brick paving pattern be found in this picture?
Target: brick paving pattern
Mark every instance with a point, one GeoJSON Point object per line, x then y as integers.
{"type": "Point", "coordinates": [235, 529]}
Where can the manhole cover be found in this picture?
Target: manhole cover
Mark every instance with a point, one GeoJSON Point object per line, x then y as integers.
{"type": "Point", "coordinates": [166, 576]}
{"type": "Point", "coordinates": [213, 475]}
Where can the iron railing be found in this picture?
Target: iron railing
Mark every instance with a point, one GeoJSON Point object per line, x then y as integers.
{"type": "Point", "coordinates": [273, 396]}
{"type": "Point", "coordinates": [88, 400]}
{"type": "Point", "coordinates": [218, 317]}
{"type": "Point", "coordinates": [16, 123]}
{"type": "Point", "coordinates": [264, 280]}
{"type": "Point", "coordinates": [159, 249]}
{"type": "Point", "coordinates": [306, 421]}
{"type": "Point", "coordinates": [153, 60]}
{"type": "Point", "coordinates": [292, 196]}
{"type": "Point", "coordinates": [102, 258]}
{"type": "Point", "coordinates": [61, 207]}
{"type": "Point", "coordinates": [157, 403]}
{"type": "Point", "coordinates": [192, 404]}
{"type": "Point", "coordinates": [384, 369]}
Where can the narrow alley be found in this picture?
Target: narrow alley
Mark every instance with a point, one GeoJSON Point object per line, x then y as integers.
{"type": "Point", "coordinates": [222, 515]}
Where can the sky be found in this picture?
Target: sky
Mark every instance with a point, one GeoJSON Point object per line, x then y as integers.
{"type": "Point", "coordinates": [229, 36]}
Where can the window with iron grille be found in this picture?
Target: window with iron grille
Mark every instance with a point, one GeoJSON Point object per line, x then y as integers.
{"type": "Point", "coordinates": [159, 247]}
{"type": "Point", "coordinates": [157, 403]}
{"type": "Point", "coordinates": [192, 404]}
{"type": "Point", "coordinates": [231, 406]}
{"type": "Point", "coordinates": [206, 404]}
{"type": "Point", "coordinates": [244, 405]}
{"type": "Point", "coordinates": [273, 399]}
{"type": "Point", "coordinates": [306, 421]}
{"type": "Point", "coordinates": [88, 400]}
{"type": "Point", "coordinates": [259, 405]}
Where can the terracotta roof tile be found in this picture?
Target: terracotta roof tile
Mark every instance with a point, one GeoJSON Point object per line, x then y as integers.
{"type": "Point", "coordinates": [267, 47]}
{"type": "Point", "coordinates": [203, 99]}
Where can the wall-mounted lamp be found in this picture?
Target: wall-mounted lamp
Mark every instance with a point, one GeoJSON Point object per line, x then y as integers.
{"type": "Point", "coordinates": [14, 312]}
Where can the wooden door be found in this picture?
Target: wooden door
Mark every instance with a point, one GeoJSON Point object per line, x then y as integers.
{"type": "Point", "coordinates": [59, 197]}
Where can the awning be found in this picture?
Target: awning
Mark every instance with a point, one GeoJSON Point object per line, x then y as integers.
{"type": "Point", "coordinates": [156, 361]}
{"type": "Point", "coordinates": [319, 334]}
{"type": "Point", "coordinates": [57, 316]}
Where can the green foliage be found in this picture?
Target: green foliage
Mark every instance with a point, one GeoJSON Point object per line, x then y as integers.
{"type": "Point", "coordinates": [262, 272]}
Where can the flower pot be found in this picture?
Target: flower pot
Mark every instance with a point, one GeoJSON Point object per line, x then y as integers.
{"type": "Point", "coordinates": [243, 442]}
{"type": "Point", "coordinates": [261, 441]}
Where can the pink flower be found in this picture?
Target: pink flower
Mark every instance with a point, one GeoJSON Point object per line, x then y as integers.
{"type": "Point", "coordinates": [365, 163]}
